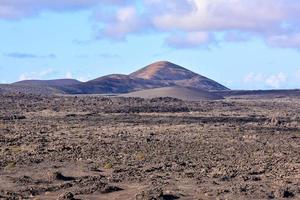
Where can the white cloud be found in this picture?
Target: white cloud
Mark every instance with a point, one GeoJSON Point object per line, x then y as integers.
{"type": "Point", "coordinates": [45, 74]}
{"type": "Point", "coordinates": [252, 77]}
{"type": "Point", "coordinates": [126, 20]}
{"type": "Point", "coordinates": [275, 21]}
{"type": "Point", "coordinates": [36, 75]}
{"type": "Point", "coordinates": [260, 80]}
{"type": "Point", "coordinates": [69, 75]}
{"type": "Point", "coordinates": [285, 41]}
{"type": "Point", "coordinates": [276, 81]}
{"type": "Point", "coordinates": [23, 77]}
{"type": "Point", "coordinates": [17, 9]}
{"type": "Point", "coordinates": [251, 15]}
{"type": "Point", "coordinates": [84, 78]}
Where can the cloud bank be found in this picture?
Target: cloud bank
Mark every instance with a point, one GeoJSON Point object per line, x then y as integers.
{"type": "Point", "coordinates": [188, 23]}
{"type": "Point", "coordinates": [199, 21]}
{"type": "Point", "coordinates": [27, 55]}
{"type": "Point", "coordinates": [16, 9]}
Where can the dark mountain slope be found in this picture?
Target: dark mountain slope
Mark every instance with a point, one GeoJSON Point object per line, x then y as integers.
{"type": "Point", "coordinates": [115, 83]}
{"type": "Point", "coordinates": [172, 74]}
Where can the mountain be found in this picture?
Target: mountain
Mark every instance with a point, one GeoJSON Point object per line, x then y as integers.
{"type": "Point", "coordinates": [171, 74]}
{"type": "Point", "coordinates": [157, 75]}
{"type": "Point", "coordinates": [163, 71]}
{"type": "Point", "coordinates": [184, 93]}
{"type": "Point", "coordinates": [111, 84]}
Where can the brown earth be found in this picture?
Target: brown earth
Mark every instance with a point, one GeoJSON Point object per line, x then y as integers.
{"type": "Point", "coordinates": [188, 94]}
{"type": "Point", "coordinates": [170, 74]}
{"type": "Point", "coordinates": [88, 147]}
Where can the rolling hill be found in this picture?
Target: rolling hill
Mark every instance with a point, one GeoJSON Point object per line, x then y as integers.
{"type": "Point", "coordinates": [157, 75]}
{"type": "Point", "coordinates": [56, 82]}
{"type": "Point", "coordinates": [115, 83]}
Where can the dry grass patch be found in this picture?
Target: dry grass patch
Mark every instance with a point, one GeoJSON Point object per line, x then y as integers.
{"type": "Point", "coordinates": [10, 166]}
{"type": "Point", "coordinates": [107, 165]}
{"type": "Point", "coordinates": [140, 156]}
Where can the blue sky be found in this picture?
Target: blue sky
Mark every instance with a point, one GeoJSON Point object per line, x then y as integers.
{"type": "Point", "coordinates": [242, 44]}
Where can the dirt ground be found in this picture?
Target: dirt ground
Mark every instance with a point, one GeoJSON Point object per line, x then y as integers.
{"type": "Point", "coordinates": [81, 147]}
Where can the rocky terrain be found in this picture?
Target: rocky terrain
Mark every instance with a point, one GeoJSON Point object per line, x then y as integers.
{"type": "Point", "coordinates": [93, 147]}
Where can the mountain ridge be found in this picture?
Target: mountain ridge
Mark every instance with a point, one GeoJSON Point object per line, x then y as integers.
{"type": "Point", "coordinates": [156, 75]}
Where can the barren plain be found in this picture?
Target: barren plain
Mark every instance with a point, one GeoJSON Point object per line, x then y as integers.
{"type": "Point", "coordinates": [93, 147]}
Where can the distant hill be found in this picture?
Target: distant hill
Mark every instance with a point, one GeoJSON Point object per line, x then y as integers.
{"type": "Point", "coordinates": [159, 79]}
{"type": "Point", "coordinates": [171, 74]}
{"type": "Point", "coordinates": [56, 82]}
{"type": "Point", "coordinates": [157, 75]}
{"type": "Point", "coordinates": [188, 94]}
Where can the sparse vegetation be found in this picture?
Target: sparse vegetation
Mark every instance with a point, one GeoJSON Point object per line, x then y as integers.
{"type": "Point", "coordinates": [107, 165]}
{"type": "Point", "coordinates": [140, 156]}
{"type": "Point", "coordinates": [10, 166]}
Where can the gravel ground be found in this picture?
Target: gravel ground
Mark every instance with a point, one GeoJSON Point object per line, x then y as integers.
{"type": "Point", "coordinates": [68, 147]}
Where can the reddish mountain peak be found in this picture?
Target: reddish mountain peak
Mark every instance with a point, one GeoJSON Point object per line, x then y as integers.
{"type": "Point", "coordinates": [163, 70]}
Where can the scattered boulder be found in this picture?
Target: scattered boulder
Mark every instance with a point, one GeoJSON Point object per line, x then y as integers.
{"type": "Point", "coordinates": [12, 117]}
{"type": "Point", "coordinates": [155, 194]}
{"type": "Point", "coordinates": [286, 193]}
{"type": "Point", "coordinates": [110, 189]}
{"type": "Point", "coordinates": [150, 194]}
{"type": "Point", "coordinates": [66, 196]}
{"type": "Point", "coordinates": [59, 176]}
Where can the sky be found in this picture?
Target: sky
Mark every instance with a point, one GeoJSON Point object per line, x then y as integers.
{"type": "Point", "coordinates": [243, 44]}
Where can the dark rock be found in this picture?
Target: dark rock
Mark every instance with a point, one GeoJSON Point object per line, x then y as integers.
{"type": "Point", "coordinates": [288, 194]}
{"type": "Point", "coordinates": [155, 194]}
{"type": "Point", "coordinates": [110, 189]}
{"type": "Point", "coordinates": [66, 196]}
{"type": "Point", "coordinates": [61, 177]}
